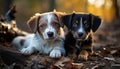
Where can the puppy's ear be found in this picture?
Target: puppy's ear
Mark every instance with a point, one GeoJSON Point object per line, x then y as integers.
{"type": "Point", "coordinates": [96, 21]}
{"type": "Point", "coordinates": [59, 16]}
{"type": "Point", "coordinates": [33, 22]}
{"type": "Point", "coordinates": [67, 19]}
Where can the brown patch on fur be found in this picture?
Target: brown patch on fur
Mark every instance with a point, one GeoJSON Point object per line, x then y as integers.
{"type": "Point", "coordinates": [40, 21]}
{"type": "Point", "coordinates": [22, 42]}
{"type": "Point", "coordinates": [59, 17]}
{"type": "Point", "coordinates": [33, 22]}
{"type": "Point", "coordinates": [42, 26]}
{"type": "Point", "coordinates": [74, 34]}
{"type": "Point", "coordinates": [84, 55]}
{"type": "Point", "coordinates": [54, 22]}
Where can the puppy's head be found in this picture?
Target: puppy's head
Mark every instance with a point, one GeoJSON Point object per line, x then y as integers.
{"type": "Point", "coordinates": [81, 24]}
{"type": "Point", "coordinates": [46, 24]}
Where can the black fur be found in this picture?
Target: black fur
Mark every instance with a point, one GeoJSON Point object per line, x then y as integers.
{"type": "Point", "coordinates": [72, 46]}
{"type": "Point", "coordinates": [67, 20]}
{"type": "Point", "coordinates": [72, 43]}
{"type": "Point", "coordinates": [96, 22]}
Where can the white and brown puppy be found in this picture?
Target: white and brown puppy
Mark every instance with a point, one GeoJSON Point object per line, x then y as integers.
{"type": "Point", "coordinates": [47, 38]}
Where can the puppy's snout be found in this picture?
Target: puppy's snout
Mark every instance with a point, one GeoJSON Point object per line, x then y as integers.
{"type": "Point", "coordinates": [80, 34]}
{"type": "Point", "coordinates": [50, 34]}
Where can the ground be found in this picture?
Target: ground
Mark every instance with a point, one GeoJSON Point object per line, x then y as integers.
{"type": "Point", "coordinates": [106, 53]}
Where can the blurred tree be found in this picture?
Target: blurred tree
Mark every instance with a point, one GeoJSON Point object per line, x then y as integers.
{"type": "Point", "coordinates": [52, 5]}
{"type": "Point", "coordinates": [116, 8]}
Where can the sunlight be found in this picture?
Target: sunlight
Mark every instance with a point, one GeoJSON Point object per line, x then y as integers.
{"type": "Point", "coordinates": [91, 1]}
{"type": "Point", "coordinates": [108, 4]}
{"type": "Point", "coordinates": [97, 3]}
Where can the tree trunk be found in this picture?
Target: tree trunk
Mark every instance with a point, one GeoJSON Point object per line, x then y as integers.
{"type": "Point", "coordinates": [116, 8]}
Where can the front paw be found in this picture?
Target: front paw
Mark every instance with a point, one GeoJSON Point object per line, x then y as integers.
{"type": "Point", "coordinates": [55, 54]}
{"type": "Point", "coordinates": [84, 55]}
{"type": "Point", "coordinates": [27, 51]}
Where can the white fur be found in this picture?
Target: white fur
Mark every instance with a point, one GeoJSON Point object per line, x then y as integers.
{"type": "Point", "coordinates": [49, 27]}
{"type": "Point", "coordinates": [81, 26]}
{"type": "Point", "coordinates": [81, 29]}
{"type": "Point", "coordinates": [35, 42]}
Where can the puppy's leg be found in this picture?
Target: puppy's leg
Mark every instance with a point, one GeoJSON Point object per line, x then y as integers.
{"type": "Point", "coordinates": [58, 51]}
{"type": "Point", "coordinates": [55, 53]}
{"type": "Point", "coordinates": [27, 51]}
{"type": "Point", "coordinates": [85, 52]}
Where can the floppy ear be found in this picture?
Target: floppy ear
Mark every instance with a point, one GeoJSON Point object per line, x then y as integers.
{"type": "Point", "coordinates": [96, 21]}
{"type": "Point", "coordinates": [67, 19]}
{"type": "Point", "coordinates": [33, 23]}
{"type": "Point", "coordinates": [59, 16]}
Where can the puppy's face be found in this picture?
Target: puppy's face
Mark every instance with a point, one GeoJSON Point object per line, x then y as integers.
{"type": "Point", "coordinates": [46, 24]}
{"type": "Point", "coordinates": [49, 26]}
{"type": "Point", "coordinates": [82, 24]}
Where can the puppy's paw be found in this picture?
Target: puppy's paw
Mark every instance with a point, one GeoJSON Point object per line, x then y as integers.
{"type": "Point", "coordinates": [27, 51]}
{"type": "Point", "coordinates": [84, 55]}
{"type": "Point", "coordinates": [55, 53]}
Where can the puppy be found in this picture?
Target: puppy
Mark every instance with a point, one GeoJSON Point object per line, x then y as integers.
{"type": "Point", "coordinates": [47, 37]}
{"type": "Point", "coordinates": [78, 40]}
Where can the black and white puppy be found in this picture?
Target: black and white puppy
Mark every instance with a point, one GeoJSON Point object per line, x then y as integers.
{"type": "Point", "coordinates": [79, 38]}
{"type": "Point", "coordinates": [47, 37]}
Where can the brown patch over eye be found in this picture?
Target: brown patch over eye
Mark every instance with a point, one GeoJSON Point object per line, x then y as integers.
{"type": "Point", "coordinates": [55, 24]}
{"type": "Point", "coordinates": [76, 22]}
{"type": "Point", "coordinates": [85, 22]}
{"type": "Point", "coordinates": [42, 27]}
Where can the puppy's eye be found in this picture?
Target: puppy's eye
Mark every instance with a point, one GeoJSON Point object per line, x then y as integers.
{"type": "Point", "coordinates": [55, 24]}
{"type": "Point", "coordinates": [42, 26]}
{"type": "Point", "coordinates": [85, 22]}
{"type": "Point", "coordinates": [76, 22]}
{"type": "Point", "coordinates": [75, 25]}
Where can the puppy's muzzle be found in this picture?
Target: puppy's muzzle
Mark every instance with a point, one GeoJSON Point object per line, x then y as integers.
{"type": "Point", "coordinates": [50, 34]}
{"type": "Point", "coordinates": [80, 34]}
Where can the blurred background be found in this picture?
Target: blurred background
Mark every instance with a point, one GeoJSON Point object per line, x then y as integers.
{"type": "Point", "coordinates": [108, 10]}
{"type": "Point", "coordinates": [106, 38]}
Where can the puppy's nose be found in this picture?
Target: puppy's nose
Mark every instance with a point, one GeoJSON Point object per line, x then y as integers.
{"type": "Point", "coordinates": [80, 34]}
{"type": "Point", "coordinates": [50, 34]}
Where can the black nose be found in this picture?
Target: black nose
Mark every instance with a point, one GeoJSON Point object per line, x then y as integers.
{"type": "Point", "coordinates": [80, 34]}
{"type": "Point", "coordinates": [50, 34]}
